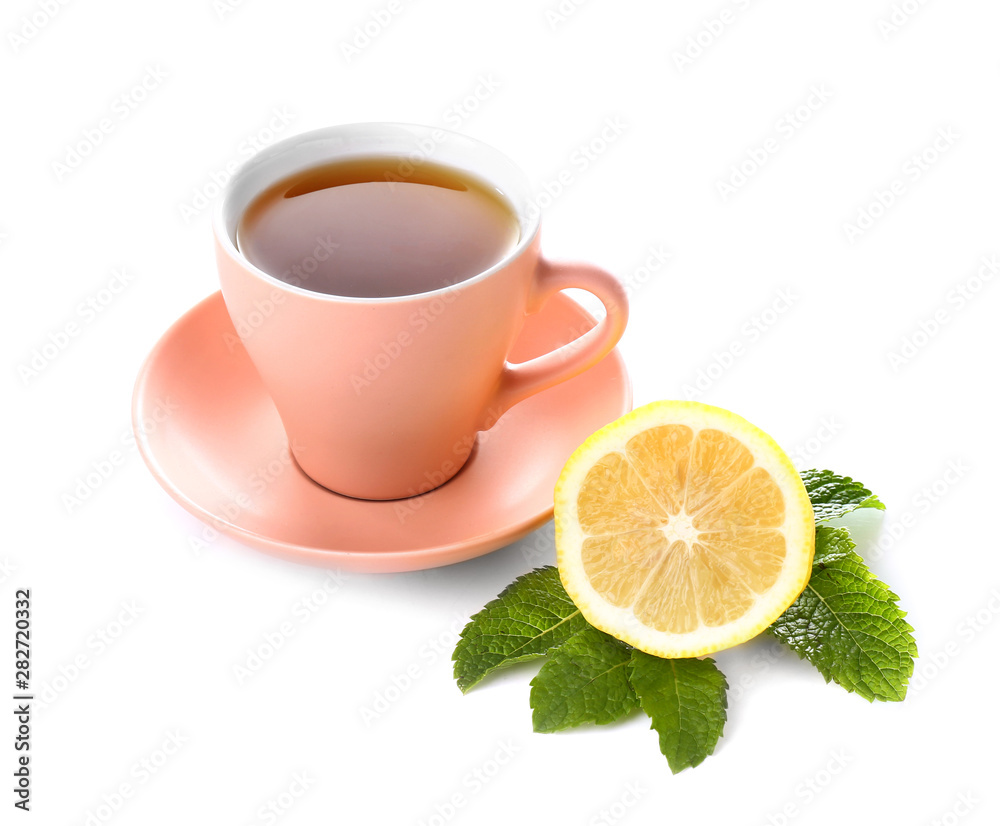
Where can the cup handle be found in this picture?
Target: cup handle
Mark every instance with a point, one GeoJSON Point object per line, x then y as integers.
{"type": "Point", "coordinates": [518, 381]}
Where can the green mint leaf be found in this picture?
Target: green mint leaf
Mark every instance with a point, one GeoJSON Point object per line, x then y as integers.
{"type": "Point", "coordinates": [584, 680]}
{"type": "Point", "coordinates": [872, 502]}
{"type": "Point", "coordinates": [832, 495]}
{"type": "Point", "coordinates": [848, 624]}
{"type": "Point", "coordinates": [532, 615]}
{"type": "Point", "coordinates": [686, 700]}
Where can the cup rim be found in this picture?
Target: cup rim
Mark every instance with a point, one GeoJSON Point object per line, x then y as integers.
{"type": "Point", "coordinates": [528, 219]}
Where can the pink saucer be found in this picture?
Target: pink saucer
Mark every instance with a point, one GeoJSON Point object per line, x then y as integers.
{"type": "Point", "coordinates": [209, 433]}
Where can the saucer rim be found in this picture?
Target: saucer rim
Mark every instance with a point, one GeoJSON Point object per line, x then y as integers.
{"type": "Point", "coordinates": [404, 560]}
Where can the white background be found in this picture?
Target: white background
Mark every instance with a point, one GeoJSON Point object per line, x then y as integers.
{"type": "Point", "coordinates": [821, 379]}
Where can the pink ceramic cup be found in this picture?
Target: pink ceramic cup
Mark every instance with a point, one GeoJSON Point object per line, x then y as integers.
{"type": "Point", "coordinates": [382, 398]}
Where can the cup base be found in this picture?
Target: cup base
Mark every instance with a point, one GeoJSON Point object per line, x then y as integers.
{"type": "Point", "coordinates": [424, 488]}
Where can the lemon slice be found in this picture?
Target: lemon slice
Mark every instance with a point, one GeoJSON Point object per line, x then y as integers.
{"type": "Point", "coordinates": [682, 529]}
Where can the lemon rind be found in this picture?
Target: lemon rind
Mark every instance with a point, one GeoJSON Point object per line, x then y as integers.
{"type": "Point", "coordinates": [799, 529]}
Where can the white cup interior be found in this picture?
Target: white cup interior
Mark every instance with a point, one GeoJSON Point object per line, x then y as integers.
{"type": "Point", "coordinates": [410, 143]}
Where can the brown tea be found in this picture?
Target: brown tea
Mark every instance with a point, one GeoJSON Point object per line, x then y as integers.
{"type": "Point", "coordinates": [360, 228]}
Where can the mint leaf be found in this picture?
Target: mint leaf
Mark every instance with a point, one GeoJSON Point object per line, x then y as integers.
{"type": "Point", "coordinates": [686, 700]}
{"type": "Point", "coordinates": [832, 495]}
{"type": "Point", "coordinates": [532, 615]}
{"type": "Point", "coordinates": [584, 680]}
{"type": "Point", "coordinates": [848, 624]}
